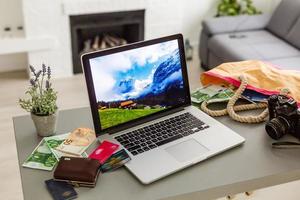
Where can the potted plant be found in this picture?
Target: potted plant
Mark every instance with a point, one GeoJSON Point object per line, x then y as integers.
{"type": "Point", "coordinates": [236, 7]}
{"type": "Point", "coordinates": [42, 101]}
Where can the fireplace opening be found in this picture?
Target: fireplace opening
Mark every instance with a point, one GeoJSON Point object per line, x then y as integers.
{"type": "Point", "coordinates": [100, 31]}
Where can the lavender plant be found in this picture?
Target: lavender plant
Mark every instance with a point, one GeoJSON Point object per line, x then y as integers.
{"type": "Point", "coordinates": [43, 98]}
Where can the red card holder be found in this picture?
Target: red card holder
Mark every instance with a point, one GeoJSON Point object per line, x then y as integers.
{"type": "Point", "coordinates": [104, 151]}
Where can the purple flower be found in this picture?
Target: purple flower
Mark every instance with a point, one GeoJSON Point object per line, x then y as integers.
{"type": "Point", "coordinates": [38, 74]}
{"type": "Point", "coordinates": [49, 73]}
{"type": "Point", "coordinates": [48, 85]}
{"type": "Point", "coordinates": [32, 82]}
{"type": "Point", "coordinates": [44, 69]}
{"type": "Point", "coordinates": [32, 69]}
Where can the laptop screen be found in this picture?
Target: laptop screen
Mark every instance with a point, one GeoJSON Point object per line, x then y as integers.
{"type": "Point", "coordinates": [138, 82]}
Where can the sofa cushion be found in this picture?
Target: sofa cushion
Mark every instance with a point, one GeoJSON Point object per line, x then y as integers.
{"type": "Point", "coordinates": [239, 23]}
{"type": "Point", "coordinates": [260, 45]}
{"type": "Point", "coordinates": [290, 63]}
{"type": "Point", "coordinates": [284, 17]}
{"type": "Point", "coordinates": [293, 35]}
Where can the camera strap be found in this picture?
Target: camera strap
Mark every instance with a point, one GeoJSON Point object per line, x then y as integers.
{"type": "Point", "coordinates": [286, 145]}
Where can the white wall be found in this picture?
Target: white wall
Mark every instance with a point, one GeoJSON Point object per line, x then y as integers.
{"type": "Point", "coordinates": [11, 15]}
{"type": "Point", "coordinates": [193, 13]}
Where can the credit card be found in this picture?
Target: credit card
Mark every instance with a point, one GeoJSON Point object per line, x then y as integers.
{"type": "Point", "coordinates": [104, 151]}
{"type": "Point", "coordinates": [117, 160]}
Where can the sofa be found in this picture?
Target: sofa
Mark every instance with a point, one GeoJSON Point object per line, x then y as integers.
{"type": "Point", "coordinates": [274, 38]}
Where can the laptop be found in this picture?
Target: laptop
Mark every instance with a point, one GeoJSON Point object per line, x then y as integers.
{"type": "Point", "coordinates": [140, 98]}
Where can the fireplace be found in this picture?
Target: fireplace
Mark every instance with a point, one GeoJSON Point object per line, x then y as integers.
{"type": "Point", "coordinates": [99, 31]}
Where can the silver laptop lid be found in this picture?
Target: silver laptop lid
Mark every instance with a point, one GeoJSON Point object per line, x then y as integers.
{"type": "Point", "coordinates": [131, 84]}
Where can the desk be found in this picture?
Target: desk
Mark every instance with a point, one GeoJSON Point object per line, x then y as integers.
{"type": "Point", "coordinates": [248, 167]}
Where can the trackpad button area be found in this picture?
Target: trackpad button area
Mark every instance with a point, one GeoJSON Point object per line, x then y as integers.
{"type": "Point", "coordinates": [187, 150]}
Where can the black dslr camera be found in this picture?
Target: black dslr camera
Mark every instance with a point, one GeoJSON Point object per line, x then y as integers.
{"type": "Point", "coordinates": [284, 117]}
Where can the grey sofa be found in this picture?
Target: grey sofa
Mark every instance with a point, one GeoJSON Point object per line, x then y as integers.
{"type": "Point", "coordinates": [274, 38]}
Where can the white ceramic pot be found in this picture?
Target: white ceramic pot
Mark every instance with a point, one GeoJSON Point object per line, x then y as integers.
{"type": "Point", "coordinates": [45, 125]}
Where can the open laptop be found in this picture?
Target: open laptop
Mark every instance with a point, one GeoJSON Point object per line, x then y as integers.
{"type": "Point", "coordinates": [139, 96]}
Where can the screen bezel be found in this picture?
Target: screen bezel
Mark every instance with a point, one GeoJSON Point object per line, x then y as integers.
{"type": "Point", "coordinates": [91, 92]}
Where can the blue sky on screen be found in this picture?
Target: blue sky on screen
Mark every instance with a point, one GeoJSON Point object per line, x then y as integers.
{"type": "Point", "coordinates": [137, 64]}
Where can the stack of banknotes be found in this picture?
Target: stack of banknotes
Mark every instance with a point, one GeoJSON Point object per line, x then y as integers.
{"type": "Point", "coordinates": [48, 152]}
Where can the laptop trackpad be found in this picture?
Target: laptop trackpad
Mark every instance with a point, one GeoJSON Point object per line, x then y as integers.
{"type": "Point", "coordinates": [187, 150]}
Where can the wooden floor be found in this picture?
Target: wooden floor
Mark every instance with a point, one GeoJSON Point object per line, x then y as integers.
{"type": "Point", "coordinates": [71, 94]}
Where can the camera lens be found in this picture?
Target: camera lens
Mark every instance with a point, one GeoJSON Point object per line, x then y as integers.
{"type": "Point", "coordinates": [277, 127]}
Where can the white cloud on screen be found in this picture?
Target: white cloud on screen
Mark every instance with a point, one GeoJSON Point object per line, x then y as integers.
{"type": "Point", "coordinates": [103, 81]}
{"type": "Point", "coordinates": [104, 68]}
{"type": "Point", "coordinates": [152, 53]}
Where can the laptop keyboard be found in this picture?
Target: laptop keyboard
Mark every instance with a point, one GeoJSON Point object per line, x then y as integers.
{"type": "Point", "coordinates": [155, 135]}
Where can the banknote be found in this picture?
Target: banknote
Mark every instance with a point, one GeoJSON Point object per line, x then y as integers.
{"type": "Point", "coordinates": [54, 141]}
{"type": "Point", "coordinates": [206, 92]}
{"type": "Point", "coordinates": [222, 96]}
{"type": "Point", "coordinates": [41, 158]}
{"type": "Point", "coordinates": [77, 141]}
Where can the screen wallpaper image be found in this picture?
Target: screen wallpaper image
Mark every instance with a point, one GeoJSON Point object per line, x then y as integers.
{"type": "Point", "coordinates": [138, 82]}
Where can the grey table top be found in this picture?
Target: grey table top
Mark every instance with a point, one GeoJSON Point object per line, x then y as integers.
{"type": "Point", "coordinates": [250, 166]}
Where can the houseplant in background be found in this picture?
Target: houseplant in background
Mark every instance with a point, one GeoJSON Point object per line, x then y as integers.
{"type": "Point", "coordinates": [42, 101]}
{"type": "Point", "coordinates": [236, 7]}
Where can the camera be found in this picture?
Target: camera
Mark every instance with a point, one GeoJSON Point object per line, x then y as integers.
{"type": "Point", "coordinates": [284, 117]}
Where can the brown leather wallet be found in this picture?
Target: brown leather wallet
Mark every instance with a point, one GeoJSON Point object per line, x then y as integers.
{"type": "Point", "coordinates": [78, 171]}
